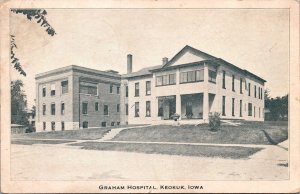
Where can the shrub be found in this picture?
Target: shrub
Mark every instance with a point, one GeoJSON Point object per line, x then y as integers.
{"type": "Point", "coordinates": [214, 121]}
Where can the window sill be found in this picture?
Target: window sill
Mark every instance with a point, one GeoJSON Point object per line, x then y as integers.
{"type": "Point", "coordinates": [165, 85]}
{"type": "Point", "coordinates": [148, 94]}
{"type": "Point", "coordinates": [148, 116]}
{"type": "Point", "coordinates": [191, 82]}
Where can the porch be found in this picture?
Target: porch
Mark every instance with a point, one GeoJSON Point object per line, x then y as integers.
{"type": "Point", "coordinates": [192, 108]}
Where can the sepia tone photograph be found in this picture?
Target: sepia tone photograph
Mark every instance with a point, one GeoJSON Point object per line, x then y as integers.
{"type": "Point", "coordinates": [149, 97]}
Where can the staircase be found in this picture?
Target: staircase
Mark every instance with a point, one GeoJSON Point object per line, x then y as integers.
{"type": "Point", "coordinates": [111, 134]}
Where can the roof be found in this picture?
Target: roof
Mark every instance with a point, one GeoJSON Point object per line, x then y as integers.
{"type": "Point", "coordinates": [210, 58]}
{"type": "Point", "coordinates": [79, 69]}
{"type": "Point", "coordinates": [142, 72]}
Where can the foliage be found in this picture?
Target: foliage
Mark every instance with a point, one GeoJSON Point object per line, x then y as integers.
{"type": "Point", "coordinates": [18, 103]}
{"type": "Point", "coordinates": [278, 107]}
{"type": "Point", "coordinates": [214, 121]}
{"type": "Point", "coordinates": [40, 16]}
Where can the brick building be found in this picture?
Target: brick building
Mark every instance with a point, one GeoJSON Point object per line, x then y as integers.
{"type": "Point", "coordinates": [76, 97]}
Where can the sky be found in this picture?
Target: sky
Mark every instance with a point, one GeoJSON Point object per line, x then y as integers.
{"type": "Point", "coordinates": [252, 39]}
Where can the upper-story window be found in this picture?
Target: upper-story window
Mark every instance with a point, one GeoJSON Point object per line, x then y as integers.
{"type": "Point", "coordinates": [254, 91]}
{"type": "Point", "coordinates": [212, 75]}
{"type": "Point", "coordinates": [96, 106]}
{"type": "Point", "coordinates": [233, 78]}
{"type": "Point", "coordinates": [44, 91]}
{"type": "Point", "coordinates": [241, 85]}
{"type": "Point", "coordinates": [249, 89]}
{"type": "Point", "coordinates": [192, 76]}
{"type": "Point", "coordinates": [111, 89]}
{"type": "Point", "coordinates": [126, 91]}
{"type": "Point", "coordinates": [137, 89]}
{"type": "Point", "coordinates": [53, 109]}
{"type": "Point", "coordinates": [52, 90]}
{"type": "Point", "coordinates": [44, 109]}
{"type": "Point", "coordinates": [169, 79]}
{"type": "Point", "coordinates": [85, 108]}
{"type": "Point", "coordinates": [118, 89]}
{"type": "Point", "coordinates": [64, 87]}
{"type": "Point", "coordinates": [223, 80]}
{"type": "Point", "coordinates": [148, 88]}
{"type": "Point", "coordinates": [62, 108]}
{"type": "Point", "coordinates": [105, 110]}
{"type": "Point", "coordinates": [88, 88]}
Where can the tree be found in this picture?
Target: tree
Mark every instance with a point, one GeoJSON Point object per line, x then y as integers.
{"type": "Point", "coordinates": [40, 16]}
{"type": "Point", "coordinates": [18, 103]}
{"type": "Point", "coordinates": [278, 106]}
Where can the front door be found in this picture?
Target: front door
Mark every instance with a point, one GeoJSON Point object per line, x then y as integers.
{"type": "Point", "coordinates": [189, 109]}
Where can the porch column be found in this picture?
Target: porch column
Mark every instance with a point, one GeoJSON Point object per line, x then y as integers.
{"type": "Point", "coordinates": [205, 106]}
{"type": "Point", "coordinates": [178, 105]}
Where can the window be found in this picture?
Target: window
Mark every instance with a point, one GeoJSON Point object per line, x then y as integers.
{"type": "Point", "coordinates": [254, 111]}
{"type": "Point", "coordinates": [64, 87]}
{"type": "Point", "coordinates": [223, 106]}
{"type": "Point", "coordinates": [126, 91]}
{"type": "Point", "coordinates": [241, 108]}
{"type": "Point", "coordinates": [212, 75]}
{"type": "Point", "coordinates": [249, 109]}
{"type": "Point", "coordinates": [44, 109]}
{"type": "Point", "coordinates": [148, 109]}
{"type": "Point", "coordinates": [53, 126]}
{"type": "Point", "coordinates": [62, 108]}
{"type": "Point", "coordinates": [111, 89]}
{"type": "Point", "coordinates": [261, 93]}
{"type": "Point", "coordinates": [223, 80]}
{"type": "Point", "coordinates": [165, 80]}
{"type": "Point", "coordinates": [105, 110]}
{"type": "Point", "coordinates": [52, 90]}
{"type": "Point", "coordinates": [118, 107]}
{"type": "Point", "coordinates": [88, 88]}
{"type": "Point", "coordinates": [85, 124]}
{"type": "Point", "coordinates": [112, 124]}
{"type": "Point", "coordinates": [233, 78]}
{"type": "Point", "coordinates": [148, 87]}
{"type": "Point", "coordinates": [96, 106]}
{"type": "Point", "coordinates": [159, 81]}
{"type": "Point", "coordinates": [62, 125]}
{"type": "Point", "coordinates": [169, 79]}
{"type": "Point", "coordinates": [137, 89]}
{"type": "Point", "coordinates": [258, 112]}
{"type": "Point", "coordinates": [241, 85]}
{"type": "Point", "coordinates": [44, 91]}
{"type": "Point", "coordinates": [126, 109]}
{"type": "Point", "coordinates": [232, 108]}
{"type": "Point", "coordinates": [52, 109]}
{"type": "Point", "coordinates": [258, 92]}
{"type": "Point", "coordinates": [84, 108]}
{"type": "Point", "coordinates": [172, 79]}
{"type": "Point", "coordinates": [118, 123]}
{"type": "Point", "coordinates": [118, 90]}
{"type": "Point", "coordinates": [192, 76]}
{"type": "Point", "coordinates": [254, 91]}
{"type": "Point", "coordinates": [44, 126]}
{"type": "Point", "coordinates": [249, 89]}
{"type": "Point", "coordinates": [103, 124]}
{"type": "Point", "coordinates": [136, 109]}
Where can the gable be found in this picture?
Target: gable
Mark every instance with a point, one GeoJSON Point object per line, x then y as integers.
{"type": "Point", "coordinates": [188, 57]}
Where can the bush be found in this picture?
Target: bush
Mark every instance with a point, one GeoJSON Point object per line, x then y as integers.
{"type": "Point", "coordinates": [214, 121]}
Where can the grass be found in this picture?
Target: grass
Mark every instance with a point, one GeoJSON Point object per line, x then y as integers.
{"type": "Point", "coordinates": [38, 141]}
{"type": "Point", "coordinates": [183, 150]}
{"type": "Point", "coordinates": [247, 133]}
{"type": "Point", "coordinates": [79, 134]}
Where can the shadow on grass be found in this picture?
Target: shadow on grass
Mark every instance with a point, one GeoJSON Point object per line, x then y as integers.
{"type": "Point", "coordinates": [273, 142]}
{"type": "Point", "coordinates": [231, 152]}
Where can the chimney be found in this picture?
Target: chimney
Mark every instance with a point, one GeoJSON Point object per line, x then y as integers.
{"type": "Point", "coordinates": [165, 60]}
{"type": "Point", "coordinates": [129, 63]}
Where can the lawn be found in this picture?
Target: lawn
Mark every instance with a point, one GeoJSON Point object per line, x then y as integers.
{"type": "Point", "coordinates": [183, 150]}
{"type": "Point", "coordinates": [247, 133]}
{"type": "Point", "coordinates": [39, 141]}
{"type": "Point", "coordinates": [82, 134]}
